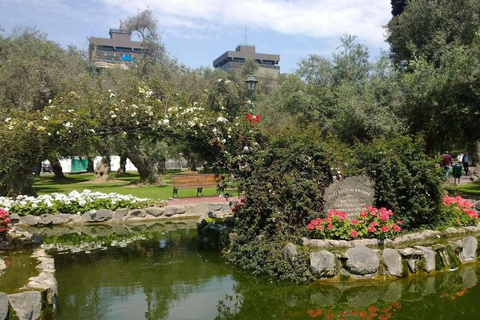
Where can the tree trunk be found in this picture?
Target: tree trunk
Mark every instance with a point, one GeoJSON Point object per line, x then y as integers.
{"type": "Point", "coordinates": [90, 167]}
{"type": "Point", "coordinates": [123, 166]}
{"type": "Point", "coordinates": [102, 169]}
{"type": "Point", "coordinates": [191, 165]}
{"type": "Point", "coordinates": [476, 174]}
{"type": "Point", "coordinates": [430, 146]}
{"type": "Point", "coordinates": [57, 168]}
{"type": "Point", "coordinates": [145, 165]}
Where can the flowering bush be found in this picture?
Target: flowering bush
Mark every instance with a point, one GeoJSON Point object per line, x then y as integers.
{"type": "Point", "coordinates": [371, 223]}
{"type": "Point", "coordinates": [4, 222]}
{"type": "Point", "coordinates": [73, 203]}
{"type": "Point", "coordinates": [458, 212]}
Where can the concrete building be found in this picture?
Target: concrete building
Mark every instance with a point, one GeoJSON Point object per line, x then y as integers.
{"type": "Point", "coordinates": [268, 63]}
{"type": "Point", "coordinates": [118, 51]}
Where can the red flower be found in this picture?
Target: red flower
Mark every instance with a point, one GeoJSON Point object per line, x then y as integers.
{"type": "Point", "coordinates": [372, 309]}
{"type": "Point", "coordinates": [372, 229]}
{"type": "Point", "coordinates": [396, 228]}
{"type": "Point", "coordinates": [400, 222]}
{"type": "Point", "coordinates": [329, 227]}
{"type": "Point", "coordinates": [363, 214]}
{"type": "Point", "coordinates": [373, 224]}
{"type": "Point", "coordinates": [385, 228]}
{"type": "Point", "coordinates": [354, 233]}
{"type": "Point", "coordinates": [354, 221]}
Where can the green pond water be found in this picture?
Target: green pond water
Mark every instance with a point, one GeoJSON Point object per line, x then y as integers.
{"type": "Point", "coordinates": [159, 272]}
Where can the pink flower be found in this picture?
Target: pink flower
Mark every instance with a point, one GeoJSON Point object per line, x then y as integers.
{"type": "Point", "coordinates": [354, 221]}
{"type": "Point", "coordinates": [8, 220]}
{"type": "Point", "coordinates": [400, 222]}
{"type": "Point", "coordinates": [373, 224]}
{"type": "Point", "coordinates": [385, 228]}
{"type": "Point", "coordinates": [329, 227]}
{"type": "Point", "coordinates": [363, 214]}
{"type": "Point", "coordinates": [319, 228]}
{"type": "Point", "coordinates": [396, 228]}
{"type": "Point", "coordinates": [328, 219]}
{"type": "Point", "coordinates": [310, 227]}
{"type": "Point", "coordinates": [372, 229]}
{"type": "Point", "coordinates": [354, 233]}
{"type": "Point", "coordinates": [3, 229]}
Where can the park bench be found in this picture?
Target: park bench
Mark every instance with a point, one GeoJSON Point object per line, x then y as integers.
{"type": "Point", "coordinates": [199, 181]}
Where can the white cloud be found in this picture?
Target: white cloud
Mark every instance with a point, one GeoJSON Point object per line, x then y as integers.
{"type": "Point", "coordinates": [313, 18]}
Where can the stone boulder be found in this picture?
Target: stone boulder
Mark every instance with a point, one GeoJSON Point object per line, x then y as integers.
{"type": "Point", "coordinates": [3, 306]}
{"type": "Point", "coordinates": [15, 218]}
{"type": "Point", "coordinates": [136, 213]}
{"type": "Point", "coordinates": [120, 214]}
{"type": "Point", "coordinates": [97, 215]}
{"type": "Point", "coordinates": [27, 305]}
{"type": "Point", "coordinates": [46, 219]}
{"type": "Point", "coordinates": [429, 256]}
{"type": "Point", "coordinates": [62, 218]}
{"type": "Point", "coordinates": [469, 249]}
{"type": "Point", "coordinates": [172, 210]}
{"type": "Point", "coordinates": [362, 261]}
{"type": "Point", "coordinates": [155, 211]}
{"type": "Point", "coordinates": [323, 264]}
{"type": "Point", "coordinates": [393, 262]}
{"type": "Point", "coordinates": [477, 206]}
{"type": "Point", "coordinates": [30, 220]}
{"type": "Point", "coordinates": [290, 252]}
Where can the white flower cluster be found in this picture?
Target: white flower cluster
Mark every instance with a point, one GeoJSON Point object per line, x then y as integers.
{"type": "Point", "coordinates": [74, 202]}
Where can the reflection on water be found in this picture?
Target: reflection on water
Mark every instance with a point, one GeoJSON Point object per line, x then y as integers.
{"type": "Point", "coordinates": [164, 275]}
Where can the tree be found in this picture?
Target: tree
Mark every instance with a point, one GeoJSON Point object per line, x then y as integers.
{"type": "Point", "coordinates": [427, 28]}
{"type": "Point", "coordinates": [398, 6]}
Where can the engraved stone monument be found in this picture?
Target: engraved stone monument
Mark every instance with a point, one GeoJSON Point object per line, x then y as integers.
{"type": "Point", "coordinates": [351, 195]}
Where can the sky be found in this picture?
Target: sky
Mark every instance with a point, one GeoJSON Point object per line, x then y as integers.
{"type": "Point", "coordinates": [198, 31]}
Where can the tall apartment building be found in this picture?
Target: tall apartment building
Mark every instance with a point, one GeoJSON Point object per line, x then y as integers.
{"type": "Point", "coordinates": [268, 63]}
{"type": "Point", "coordinates": [119, 50]}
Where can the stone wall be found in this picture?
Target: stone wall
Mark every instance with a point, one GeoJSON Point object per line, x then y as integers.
{"type": "Point", "coordinates": [38, 299]}
{"type": "Point", "coordinates": [353, 259]}
{"type": "Point", "coordinates": [125, 215]}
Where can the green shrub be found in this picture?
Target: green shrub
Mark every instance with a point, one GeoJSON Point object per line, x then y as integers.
{"type": "Point", "coordinates": [283, 183]}
{"type": "Point", "coordinates": [405, 181]}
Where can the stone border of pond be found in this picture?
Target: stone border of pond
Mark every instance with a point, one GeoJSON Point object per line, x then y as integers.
{"type": "Point", "coordinates": [411, 254]}
{"type": "Point", "coordinates": [125, 215]}
{"type": "Point", "coordinates": [38, 298]}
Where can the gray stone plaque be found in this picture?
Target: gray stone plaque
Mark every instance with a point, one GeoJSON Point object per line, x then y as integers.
{"type": "Point", "coordinates": [351, 195]}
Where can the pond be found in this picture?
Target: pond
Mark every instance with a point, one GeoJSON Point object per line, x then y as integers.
{"type": "Point", "coordinates": [159, 272]}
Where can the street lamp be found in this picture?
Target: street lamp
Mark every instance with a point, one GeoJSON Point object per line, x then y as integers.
{"type": "Point", "coordinates": [251, 83]}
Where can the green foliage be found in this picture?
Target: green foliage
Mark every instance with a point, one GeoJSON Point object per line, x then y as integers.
{"type": "Point", "coordinates": [283, 183]}
{"type": "Point", "coordinates": [405, 181]}
{"type": "Point", "coordinates": [263, 256]}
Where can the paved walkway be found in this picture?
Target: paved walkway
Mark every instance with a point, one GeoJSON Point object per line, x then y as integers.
{"type": "Point", "coordinates": [196, 200]}
{"type": "Point", "coordinates": [464, 179]}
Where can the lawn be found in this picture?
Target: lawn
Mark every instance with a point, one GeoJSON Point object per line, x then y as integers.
{"type": "Point", "coordinates": [123, 185]}
{"type": "Point", "coordinates": [470, 189]}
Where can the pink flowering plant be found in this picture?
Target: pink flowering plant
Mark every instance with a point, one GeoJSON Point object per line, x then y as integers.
{"type": "Point", "coordinates": [371, 223]}
{"type": "Point", "coordinates": [459, 212]}
{"type": "Point", "coordinates": [4, 223]}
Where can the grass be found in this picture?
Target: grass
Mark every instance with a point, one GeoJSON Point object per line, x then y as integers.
{"type": "Point", "coordinates": [471, 189]}
{"type": "Point", "coordinates": [122, 185]}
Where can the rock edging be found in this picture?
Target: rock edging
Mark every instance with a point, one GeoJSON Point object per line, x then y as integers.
{"type": "Point", "coordinates": [39, 300]}
{"type": "Point", "coordinates": [363, 262]}
{"type": "Point", "coordinates": [121, 215]}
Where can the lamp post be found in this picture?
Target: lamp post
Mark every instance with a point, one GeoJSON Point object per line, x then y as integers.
{"type": "Point", "coordinates": [251, 83]}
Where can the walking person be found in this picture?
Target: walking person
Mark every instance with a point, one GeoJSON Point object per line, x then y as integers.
{"type": "Point", "coordinates": [465, 163]}
{"type": "Point", "coordinates": [447, 163]}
